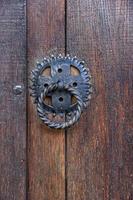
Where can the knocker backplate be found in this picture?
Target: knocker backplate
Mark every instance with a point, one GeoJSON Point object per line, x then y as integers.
{"type": "Point", "coordinates": [61, 72]}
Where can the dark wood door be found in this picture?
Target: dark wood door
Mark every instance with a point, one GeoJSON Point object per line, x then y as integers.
{"type": "Point", "coordinates": [93, 160]}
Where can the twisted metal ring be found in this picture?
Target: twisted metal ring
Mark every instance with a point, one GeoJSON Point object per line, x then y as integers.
{"type": "Point", "coordinates": [60, 125]}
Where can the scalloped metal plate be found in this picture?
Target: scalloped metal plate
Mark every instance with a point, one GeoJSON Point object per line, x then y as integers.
{"type": "Point", "coordinates": [60, 72]}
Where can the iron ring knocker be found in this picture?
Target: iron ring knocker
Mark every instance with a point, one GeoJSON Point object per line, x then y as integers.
{"type": "Point", "coordinates": [61, 83]}
{"type": "Point", "coordinates": [71, 121]}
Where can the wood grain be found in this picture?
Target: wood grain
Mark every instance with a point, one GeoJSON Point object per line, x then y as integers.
{"type": "Point", "coordinates": [12, 106]}
{"type": "Point", "coordinates": [46, 25]}
{"type": "Point", "coordinates": [99, 147]}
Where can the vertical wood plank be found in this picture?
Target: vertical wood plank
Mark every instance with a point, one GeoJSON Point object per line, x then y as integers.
{"type": "Point", "coordinates": [46, 25]}
{"type": "Point", "coordinates": [12, 106]}
{"type": "Point", "coordinates": [99, 154]}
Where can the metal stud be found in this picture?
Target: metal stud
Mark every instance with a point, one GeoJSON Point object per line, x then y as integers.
{"type": "Point", "coordinates": [18, 89]}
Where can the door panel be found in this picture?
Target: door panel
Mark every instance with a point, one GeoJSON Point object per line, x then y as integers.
{"type": "Point", "coordinates": [46, 147]}
{"type": "Point", "coordinates": [99, 157]}
{"type": "Point", "coordinates": [93, 159]}
{"type": "Point", "coordinates": [12, 102]}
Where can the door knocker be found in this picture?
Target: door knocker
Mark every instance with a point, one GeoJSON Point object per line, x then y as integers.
{"type": "Point", "coordinates": [68, 85]}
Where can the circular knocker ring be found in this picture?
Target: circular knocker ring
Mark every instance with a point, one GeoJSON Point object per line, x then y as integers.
{"type": "Point", "coordinates": [72, 120]}
{"type": "Point", "coordinates": [68, 80]}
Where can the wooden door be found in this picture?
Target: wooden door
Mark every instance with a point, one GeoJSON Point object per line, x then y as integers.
{"type": "Point", "coordinates": [92, 160]}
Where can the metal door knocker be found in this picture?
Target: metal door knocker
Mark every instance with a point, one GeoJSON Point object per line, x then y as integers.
{"type": "Point", "coordinates": [68, 86]}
